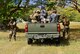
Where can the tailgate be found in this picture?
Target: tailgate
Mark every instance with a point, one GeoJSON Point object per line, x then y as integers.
{"type": "Point", "coordinates": [38, 27]}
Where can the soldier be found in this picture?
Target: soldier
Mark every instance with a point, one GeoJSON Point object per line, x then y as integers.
{"type": "Point", "coordinates": [35, 17]}
{"type": "Point", "coordinates": [53, 16]}
{"type": "Point", "coordinates": [43, 16]}
{"type": "Point", "coordinates": [66, 24]}
{"type": "Point", "coordinates": [12, 26]}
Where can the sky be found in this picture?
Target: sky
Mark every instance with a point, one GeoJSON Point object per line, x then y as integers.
{"type": "Point", "coordinates": [23, 1]}
{"type": "Point", "coordinates": [31, 2]}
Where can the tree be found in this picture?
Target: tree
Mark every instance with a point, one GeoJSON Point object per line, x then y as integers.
{"type": "Point", "coordinates": [9, 9]}
{"type": "Point", "coordinates": [76, 5]}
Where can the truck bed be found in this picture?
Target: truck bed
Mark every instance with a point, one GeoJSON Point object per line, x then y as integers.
{"type": "Point", "coordinates": [42, 28]}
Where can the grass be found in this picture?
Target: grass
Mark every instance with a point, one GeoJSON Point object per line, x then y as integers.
{"type": "Point", "coordinates": [21, 47]}
{"type": "Point", "coordinates": [73, 25]}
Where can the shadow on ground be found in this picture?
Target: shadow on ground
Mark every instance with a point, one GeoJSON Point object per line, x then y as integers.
{"type": "Point", "coordinates": [63, 42]}
{"type": "Point", "coordinates": [48, 42]}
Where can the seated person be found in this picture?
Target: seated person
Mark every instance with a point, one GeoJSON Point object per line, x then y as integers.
{"type": "Point", "coordinates": [35, 17]}
{"type": "Point", "coordinates": [43, 16]}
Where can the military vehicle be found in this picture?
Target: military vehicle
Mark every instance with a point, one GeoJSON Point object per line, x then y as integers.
{"type": "Point", "coordinates": [41, 31]}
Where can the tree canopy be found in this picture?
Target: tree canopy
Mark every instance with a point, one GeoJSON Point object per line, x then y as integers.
{"type": "Point", "coordinates": [20, 9]}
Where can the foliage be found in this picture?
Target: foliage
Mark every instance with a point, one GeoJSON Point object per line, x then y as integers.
{"type": "Point", "coordinates": [61, 3]}
{"type": "Point", "coordinates": [70, 13]}
{"type": "Point", "coordinates": [51, 5]}
{"type": "Point", "coordinates": [8, 9]}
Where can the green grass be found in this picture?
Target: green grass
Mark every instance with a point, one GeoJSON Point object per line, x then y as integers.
{"type": "Point", "coordinates": [21, 47]}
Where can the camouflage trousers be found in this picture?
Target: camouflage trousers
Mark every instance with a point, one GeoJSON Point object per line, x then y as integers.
{"type": "Point", "coordinates": [12, 33]}
{"type": "Point", "coordinates": [66, 32]}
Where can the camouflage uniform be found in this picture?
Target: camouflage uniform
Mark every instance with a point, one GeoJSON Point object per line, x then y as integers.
{"type": "Point", "coordinates": [35, 17]}
{"type": "Point", "coordinates": [66, 28]}
{"type": "Point", "coordinates": [12, 26]}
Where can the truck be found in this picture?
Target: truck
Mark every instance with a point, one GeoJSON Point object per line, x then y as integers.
{"type": "Point", "coordinates": [41, 31]}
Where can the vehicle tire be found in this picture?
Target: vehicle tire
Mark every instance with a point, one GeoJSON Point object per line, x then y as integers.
{"type": "Point", "coordinates": [30, 41]}
{"type": "Point", "coordinates": [58, 40]}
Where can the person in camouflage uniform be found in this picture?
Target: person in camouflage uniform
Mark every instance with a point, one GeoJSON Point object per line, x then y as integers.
{"type": "Point", "coordinates": [66, 28]}
{"type": "Point", "coordinates": [35, 17]}
{"type": "Point", "coordinates": [12, 26]}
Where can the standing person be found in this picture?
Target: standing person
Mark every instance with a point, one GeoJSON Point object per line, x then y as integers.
{"type": "Point", "coordinates": [66, 24]}
{"type": "Point", "coordinates": [53, 16]}
{"type": "Point", "coordinates": [12, 26]}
